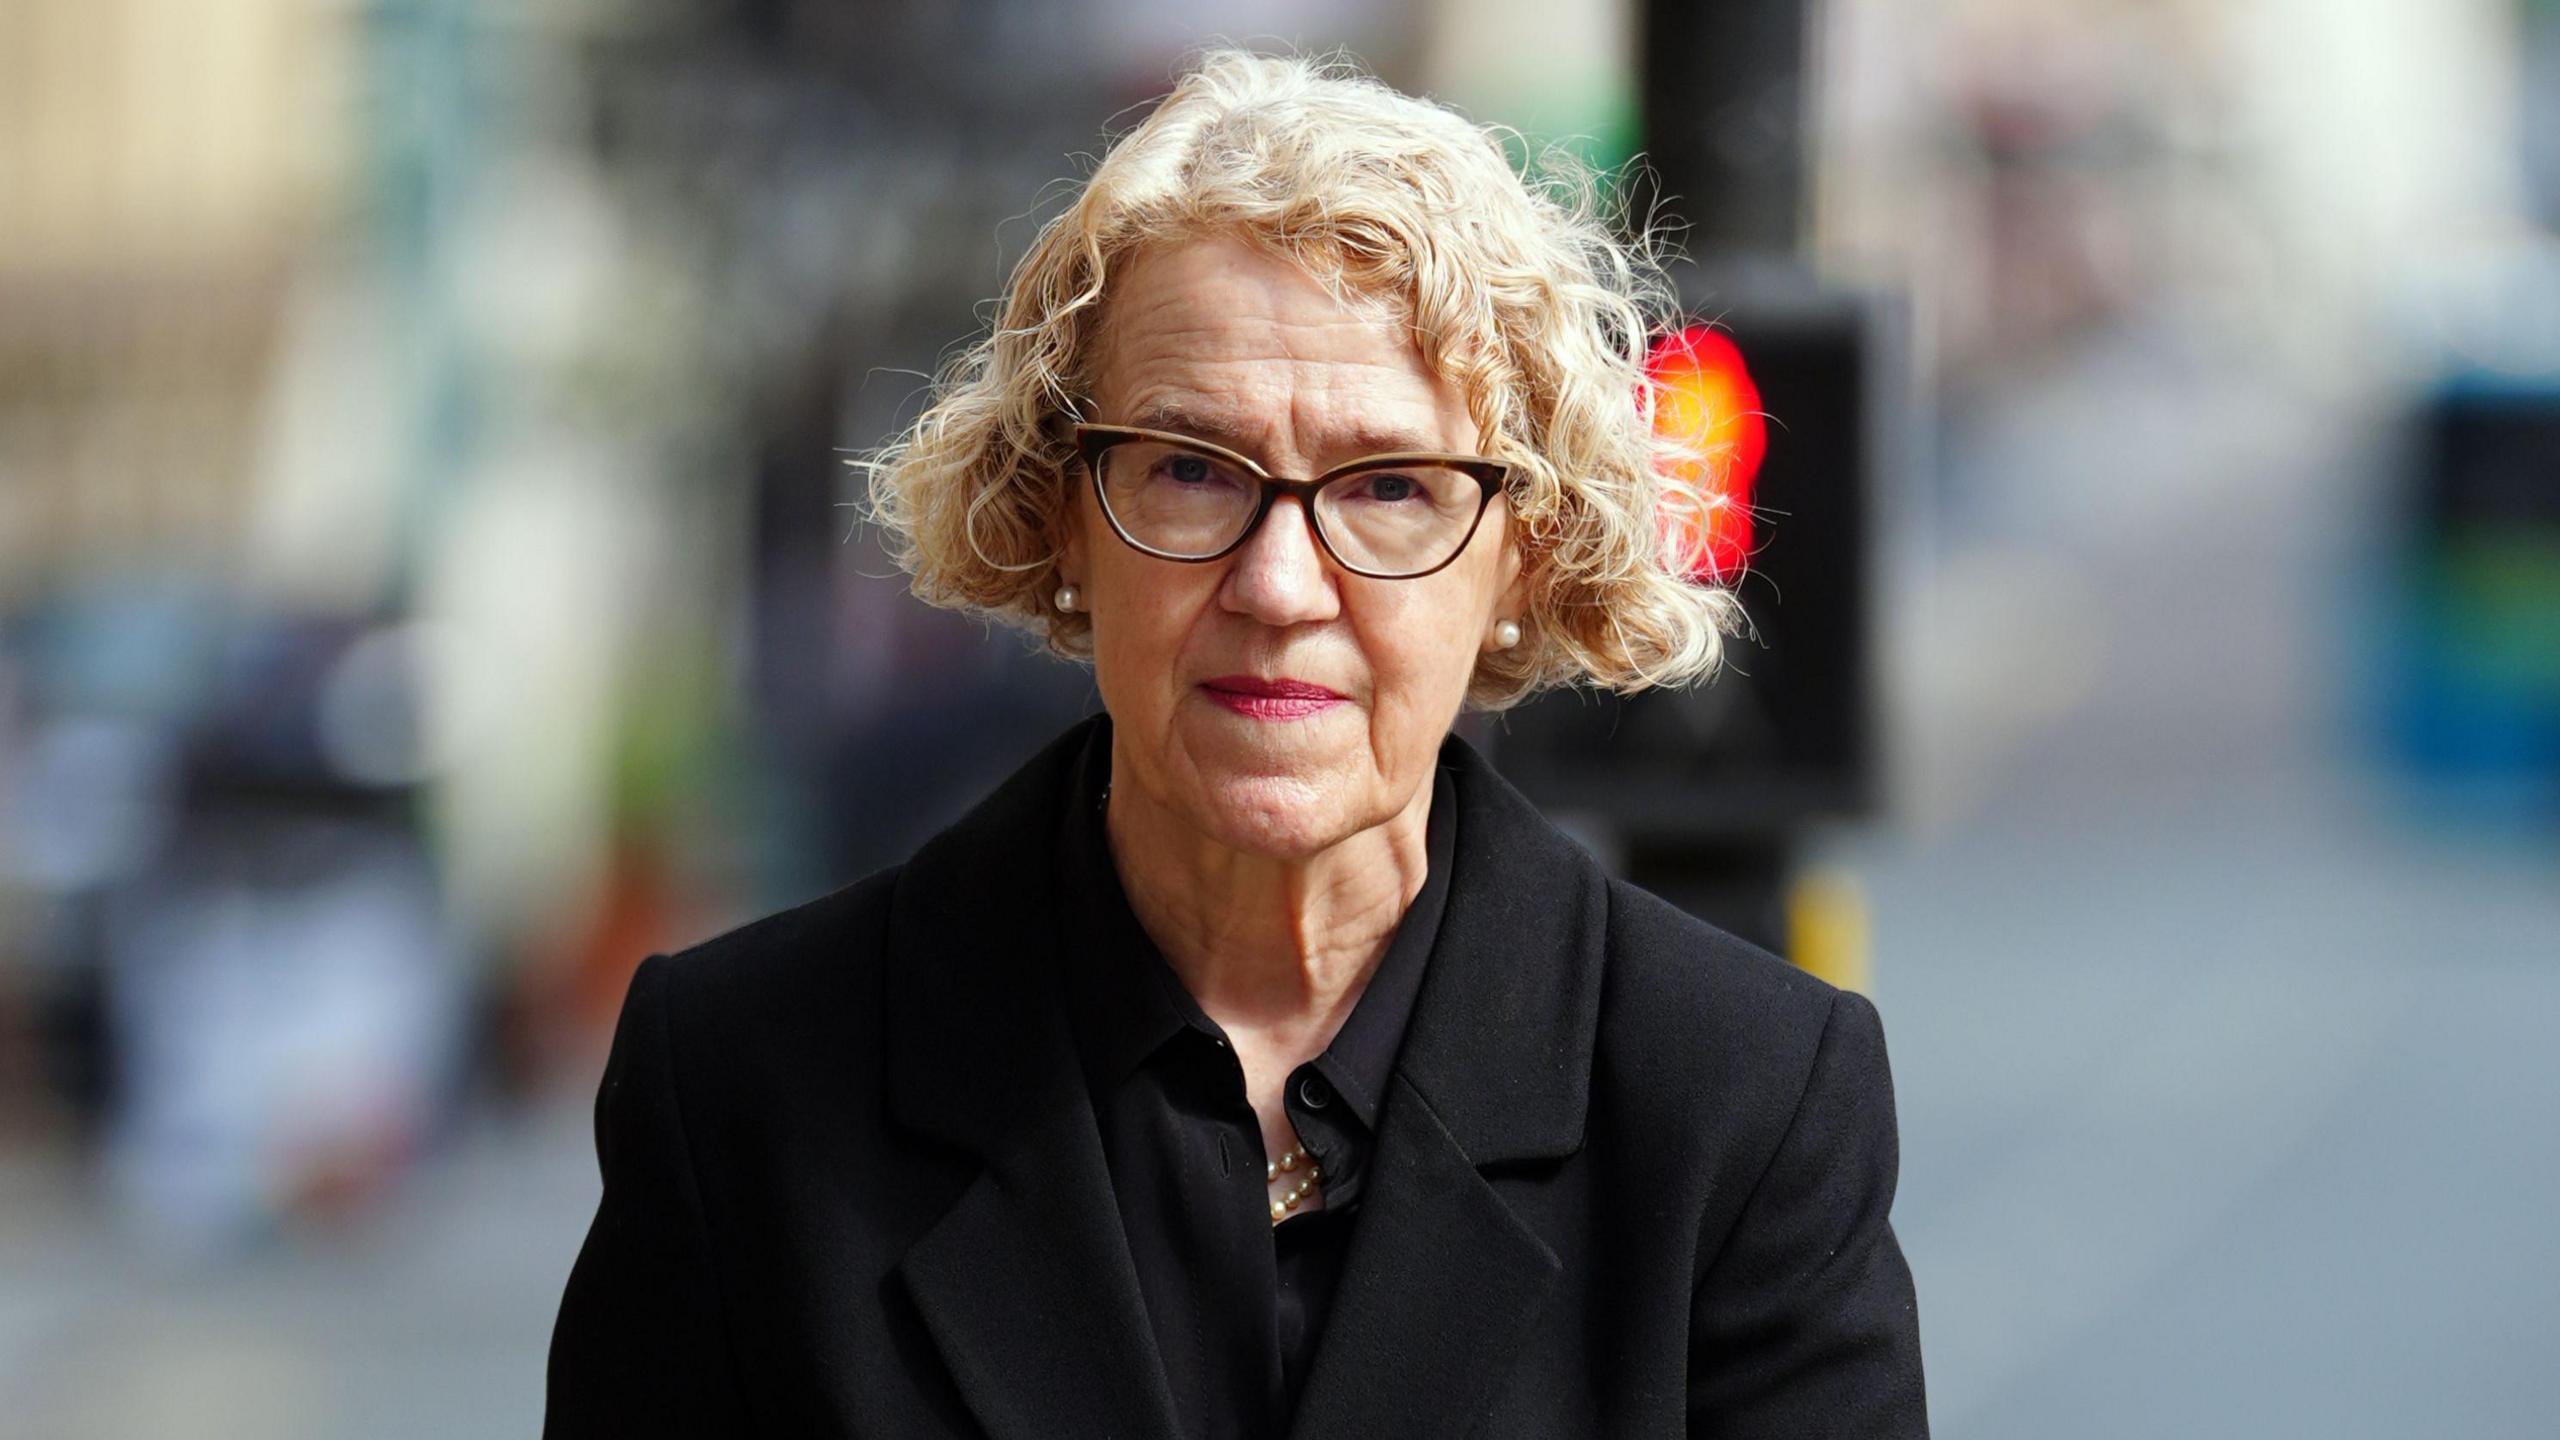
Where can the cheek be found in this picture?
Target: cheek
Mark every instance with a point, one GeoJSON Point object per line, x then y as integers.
{"type": "Point", "coordinates": [1421, 650]}
{"type": "Point", "coordinates": [1141, 621]}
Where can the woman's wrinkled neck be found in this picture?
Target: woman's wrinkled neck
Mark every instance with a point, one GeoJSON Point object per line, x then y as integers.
{"type": "Point", "coordinates": [1278, 946]}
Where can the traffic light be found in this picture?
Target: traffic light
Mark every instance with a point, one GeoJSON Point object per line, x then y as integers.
{"type": "Point", "coordinates": [1706, 400]}
{"type": "Point", "coordinates": [1798, 394]}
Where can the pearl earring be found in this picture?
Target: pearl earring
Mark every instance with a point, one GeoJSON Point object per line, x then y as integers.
{"type": "Point", "coordinates": [1506, 633]}
{"type": "Point", "coordinates": [1067, 598]}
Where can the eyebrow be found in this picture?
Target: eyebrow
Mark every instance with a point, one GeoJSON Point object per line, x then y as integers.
{"type": "Point", "coordinates": [1360, 441]}
{"type": "Point", "coordinates": [1205, 424]}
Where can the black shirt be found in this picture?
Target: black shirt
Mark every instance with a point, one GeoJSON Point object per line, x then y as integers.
{"type": "Point", "coordinates": [1236, 1302]}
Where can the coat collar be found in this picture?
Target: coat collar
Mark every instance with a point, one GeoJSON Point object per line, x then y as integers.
{"type": "Point", "coordinates": [1027, 1285]}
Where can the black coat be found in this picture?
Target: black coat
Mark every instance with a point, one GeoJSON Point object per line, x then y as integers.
{"type": "Point", "coordinates": [1632, 1175]}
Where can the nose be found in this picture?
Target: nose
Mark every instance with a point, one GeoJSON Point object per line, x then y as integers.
{"type": "Point", "coordinates": [1278, 575]}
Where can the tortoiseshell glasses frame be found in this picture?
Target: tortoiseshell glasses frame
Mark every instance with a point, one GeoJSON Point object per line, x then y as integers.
{"type": "Point", "coordinates": [1095, 442]}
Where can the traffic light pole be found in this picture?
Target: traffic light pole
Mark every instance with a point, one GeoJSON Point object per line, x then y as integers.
{"type": "Point", "coordinates": [1723, 120]}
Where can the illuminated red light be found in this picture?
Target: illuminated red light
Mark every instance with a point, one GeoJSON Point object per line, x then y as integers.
{"type": "Point", "coordinates": [1706, 398]}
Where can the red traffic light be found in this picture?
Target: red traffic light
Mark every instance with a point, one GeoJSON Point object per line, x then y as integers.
{"type": "Point", "coordinates": [1705, 398]}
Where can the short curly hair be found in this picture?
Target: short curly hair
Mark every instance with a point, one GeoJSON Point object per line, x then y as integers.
{"type": "Point", "coordinates": [1517, 287]}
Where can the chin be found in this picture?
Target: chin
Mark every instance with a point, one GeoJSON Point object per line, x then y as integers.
{"type": "Point", "coordinates": [1285, 791]}
{"type": "Point", "coordinates": [1284, 816]}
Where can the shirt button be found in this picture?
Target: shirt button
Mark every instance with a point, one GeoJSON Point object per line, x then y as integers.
{"type": "Point", "coordinates": [1314, 1093]}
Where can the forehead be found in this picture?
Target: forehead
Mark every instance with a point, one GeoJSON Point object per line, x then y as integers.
{"type": "Point", "coordinates": [1219, 338]}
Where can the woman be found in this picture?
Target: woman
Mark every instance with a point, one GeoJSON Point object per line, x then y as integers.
{"type": "Point", "coordinates": [969, 1147]}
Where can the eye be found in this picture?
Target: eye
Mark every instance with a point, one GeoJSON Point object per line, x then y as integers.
{"type": "Point", "coordinates": [1189, 469]}
{"type": "Point", "coordinates": [1389, 488]}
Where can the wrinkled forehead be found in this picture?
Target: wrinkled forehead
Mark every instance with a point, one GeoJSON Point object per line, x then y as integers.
{"type": "Point", "coordinates": [1233, 343]}
{"type": "Point", "coordinates": [1180, 257]}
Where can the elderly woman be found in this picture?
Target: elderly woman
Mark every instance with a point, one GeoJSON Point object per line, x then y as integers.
{"type": "Point", "coordinates": [1309, 423]}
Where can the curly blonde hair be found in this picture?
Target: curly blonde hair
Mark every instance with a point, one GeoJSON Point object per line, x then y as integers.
{"type": "Point", "coordinates": [1516, 288]}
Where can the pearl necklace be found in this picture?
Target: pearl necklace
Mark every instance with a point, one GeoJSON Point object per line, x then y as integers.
{"type": "Point", "coordinates": [1297, 1194]}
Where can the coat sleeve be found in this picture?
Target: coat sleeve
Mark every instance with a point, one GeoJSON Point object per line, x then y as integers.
{"type": "Point", "coordinates": [640, 1348]}
{"type": "Point", "coordinates": [1804, 1322]}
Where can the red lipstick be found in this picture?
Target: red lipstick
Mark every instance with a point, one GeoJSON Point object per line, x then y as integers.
{"type": "Point", "coordinates": [1281, 699]}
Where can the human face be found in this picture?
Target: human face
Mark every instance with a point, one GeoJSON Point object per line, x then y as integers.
{"type": "Point", "coordinates": [1219, 340]}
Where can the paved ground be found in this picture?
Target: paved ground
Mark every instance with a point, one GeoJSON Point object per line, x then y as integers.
{"type": "Point", "coordinates": [2268, 1151]}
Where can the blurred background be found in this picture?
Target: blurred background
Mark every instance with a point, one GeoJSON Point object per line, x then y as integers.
{"type": "Point", "coordinates": [429, 583]}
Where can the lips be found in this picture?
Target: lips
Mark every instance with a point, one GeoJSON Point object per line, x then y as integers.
{"type": "Point", "coordinates": [1270, 699]}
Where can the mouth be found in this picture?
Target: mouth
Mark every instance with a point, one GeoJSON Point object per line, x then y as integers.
{"type": "Point", "coordinates": [1270, 699]}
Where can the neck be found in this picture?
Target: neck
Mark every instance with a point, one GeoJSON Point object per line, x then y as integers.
{"type": "Point", "coordinates": [1278, 949]}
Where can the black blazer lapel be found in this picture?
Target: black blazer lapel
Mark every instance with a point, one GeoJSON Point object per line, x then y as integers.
{"type": "Point", "coordinates": [1440, 1286]}
{"type": "Point", "coordinates": [1026, 1285]}
{"type": "Point", "coordinates": [1027, 1289]}
{"type": "Point", "coordinates": [1443, 1281]}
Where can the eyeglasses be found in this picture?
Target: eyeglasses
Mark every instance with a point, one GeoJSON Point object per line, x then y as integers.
{"type": "Point", "coordinates": [1390, 517]}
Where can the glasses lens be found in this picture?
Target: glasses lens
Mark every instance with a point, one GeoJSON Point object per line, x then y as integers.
{"type": "Point", "coordinates": [1399, 519]}
{"type": "Point", "coordinates": [1176, 500]}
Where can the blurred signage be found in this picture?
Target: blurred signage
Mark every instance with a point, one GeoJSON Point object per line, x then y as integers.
{"type": "Point", "coordinates": [2474, 684]}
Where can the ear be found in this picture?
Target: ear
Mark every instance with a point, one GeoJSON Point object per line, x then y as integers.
{"type": "Point", "coordinates": [1071, 532]}
{"type": "Point", "coordinates": [1511, 574]}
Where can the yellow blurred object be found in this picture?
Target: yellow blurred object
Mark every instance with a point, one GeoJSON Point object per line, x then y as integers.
{"type": "Point", "coordinates": [1827, 929]}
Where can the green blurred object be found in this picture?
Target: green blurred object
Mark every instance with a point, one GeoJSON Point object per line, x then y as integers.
{"type": "Point", "coordinates": [2495, 598]}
